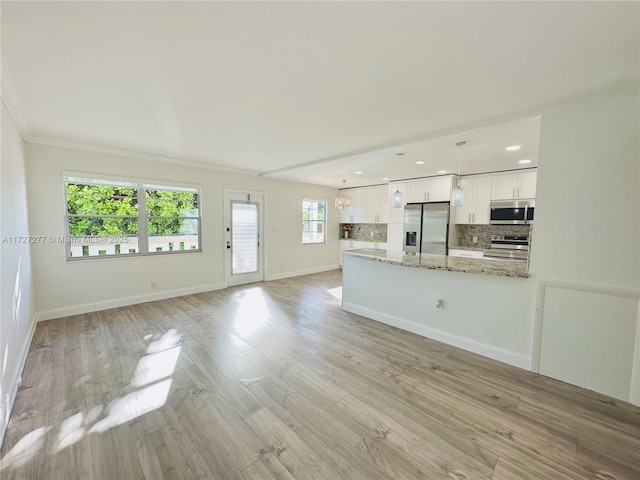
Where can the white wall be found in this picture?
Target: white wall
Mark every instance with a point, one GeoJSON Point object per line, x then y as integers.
{"type": "Point", "coordinates": [16, 297]}
{"type": "Point", "coordinates": [63, 288]}
{"type": "Point", "coordinates": [586, 240]}
{"type": "Point", "coordinates": [489, 315]}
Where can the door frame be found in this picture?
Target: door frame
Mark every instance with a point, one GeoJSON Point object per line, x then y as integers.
{"type": "Point", "coordinates": [254, 196]}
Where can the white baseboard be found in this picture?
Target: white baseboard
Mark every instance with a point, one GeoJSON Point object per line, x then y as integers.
{"type": "Point", "coordinates": [497, 353]}
{"type": "Point", "coordinates": [297, 273]}
{"type": "Point", "coordinates": [124, 301]}
{"type": "Point", "coordinates": [13, 384]}
{"type": "Point", "coordinates": [634, 396]}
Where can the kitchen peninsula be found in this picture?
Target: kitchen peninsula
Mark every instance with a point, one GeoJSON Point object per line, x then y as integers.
{"type": "Point", "coordinates": [445, 262]}
{"type": "Point", "coordinates": [484, 306]}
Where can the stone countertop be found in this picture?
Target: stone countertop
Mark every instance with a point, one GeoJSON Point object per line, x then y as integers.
{"type": "Point", "coordinates": [505, 268]}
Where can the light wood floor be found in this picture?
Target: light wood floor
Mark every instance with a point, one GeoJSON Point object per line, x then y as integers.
{"type": "Point", "coordinates": [274, 381]}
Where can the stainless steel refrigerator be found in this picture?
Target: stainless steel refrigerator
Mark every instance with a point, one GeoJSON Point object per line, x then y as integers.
{"type": "Point", "coordinates": [426, 228]}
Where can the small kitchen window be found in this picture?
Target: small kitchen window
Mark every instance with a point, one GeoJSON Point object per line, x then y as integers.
{"type": "Point", "coordinates": [314, 220]}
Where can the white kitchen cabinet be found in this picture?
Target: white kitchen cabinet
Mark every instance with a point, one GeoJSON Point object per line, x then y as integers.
{"type": "Point", "coordinates": [527, 185]}
{"type": "Point", "coordinates": [369, 205]}
{"type": "Point", "coordinates": [514, 186]}
{"type": "Point", "coordinates": [345, 215]}
{"type": "Point", "coordinates": [376, 205]}
{"type": "Point", "coordinates": [395, 232]}
{"type": "Point", "coordinates": [477, 200]}
{"type": "Point", "coordinates": [356, 212]}
{"type": "Point", "coordinates": [434, 189]}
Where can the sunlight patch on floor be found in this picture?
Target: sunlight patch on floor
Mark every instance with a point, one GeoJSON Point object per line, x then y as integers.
{"type": "Point", "coordinates": [252, 313]}
{"type": "Point", "coordinates": [133, 405]}
{"type": "Point", "coordinates": [71, 431]}
{"type": "Point", "coordinates": [156, 366]}
{"type": "Point", "coordinates": [336, 292]}
{"type": "Point", "coordinates": [31, 442]}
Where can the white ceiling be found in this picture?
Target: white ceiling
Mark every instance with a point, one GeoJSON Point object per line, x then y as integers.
{"type": "Point", "coordinates": [269, 85]}
{"type": "Point", "coordinates": [484, 151]}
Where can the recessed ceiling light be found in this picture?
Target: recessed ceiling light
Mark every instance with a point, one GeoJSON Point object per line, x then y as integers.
{"type": "Point", "coordinates": [513, 148]}
{"type": "Point", "coordinates": [442, 171]}
{"type": "Point", "coordinates": [524, 161]}
{"type": "Point", "coordinates": [358, 172]}
{"type": "Point", "coordinates": [420, 162]}
{"type": "Point", "coordinates": [385, 178]}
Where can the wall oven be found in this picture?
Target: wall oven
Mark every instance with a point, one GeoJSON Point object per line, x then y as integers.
{"type": "Point", "coordinates": [518, 212]}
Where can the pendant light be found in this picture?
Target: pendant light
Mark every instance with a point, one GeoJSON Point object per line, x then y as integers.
{"type": "Point", "coordinates": [396, 197]}
{"type": "Point", "coordinates": [457, 194]}
{"type": "Point", "coordinates": [343, 202]}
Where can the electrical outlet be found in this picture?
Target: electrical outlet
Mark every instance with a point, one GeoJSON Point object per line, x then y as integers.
{"type": "Point", "coordinates": [154, 285]}
{"type": "Point", "coordinates": [474, 240]}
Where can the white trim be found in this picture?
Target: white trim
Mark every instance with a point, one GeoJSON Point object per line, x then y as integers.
{"type": "Point", "coordinates": [52, 142]}
{"type": "Point", "coordinates": [543, 283]}
{"type": "Point", "coordinates": [130, 181]}
{"type": "Point", "coordinates": [634, 396]}
{"type": "Point", "coordinates": [227, 193]}
{"type": "Point", "coordinates": [297, 273]}
{"type": "Point", "coordinates": [15, 384]}
{"type": "Point", "coordinates": [12, 102]}
{"type": "Point", "coordinates": [124, 301]}
{"type": "Point", "coordinates": [492, 351]}
{"type": "Point", "coordinates": [591, 288]}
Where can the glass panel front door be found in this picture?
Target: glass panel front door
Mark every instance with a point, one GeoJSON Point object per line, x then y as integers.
{"type": "Point", "coordinates": [244, 238]}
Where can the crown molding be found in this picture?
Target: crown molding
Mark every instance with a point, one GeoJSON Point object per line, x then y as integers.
{"type": "Point", "coordinates": [12, 102]}
{"type": "Point", "coordinates": [53, 142]}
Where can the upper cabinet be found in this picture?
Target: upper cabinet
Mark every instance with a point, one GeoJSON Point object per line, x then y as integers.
{"type": "Point", "coordinates": [435, 189]}
{"type": "Point", "coordinates": [356, 212]}
{"type": "Point", "coordinates": [369, 205]}
{"type": "Point", "coordinates": [514, 186]}
{"type": "Point", "coordinates": [377, 205]}
{"type": "Point", "coordinates": [477, 198]}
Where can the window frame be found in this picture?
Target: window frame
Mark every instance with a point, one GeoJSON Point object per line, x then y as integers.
{"type": "Point", "coordinates": [143, 216]}
{"type": "Point", "coordinates": [325, 221]}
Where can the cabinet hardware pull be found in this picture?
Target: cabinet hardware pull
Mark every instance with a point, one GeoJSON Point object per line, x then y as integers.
{"type": "Point", "coordinates": [513, 194]}
{"type": "Point", "coordinates": [469, 218]}
{"type": "Point", "coordinates": [473, 218]}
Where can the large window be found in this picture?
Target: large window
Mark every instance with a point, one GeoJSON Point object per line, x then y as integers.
{"type": "Point", "coordinates": [110, 218]}
{"type": "Point", "coordinates": [313, 221]}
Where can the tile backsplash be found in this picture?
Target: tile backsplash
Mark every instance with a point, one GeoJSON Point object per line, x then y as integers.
{"type": "Point", "coordinates": [366, 232]}
{"type": "Point", "coordinates": [484, 232]}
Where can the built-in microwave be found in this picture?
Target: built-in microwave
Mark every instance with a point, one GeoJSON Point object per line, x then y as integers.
{"type": "Point", "coordinates": [512, 212]}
